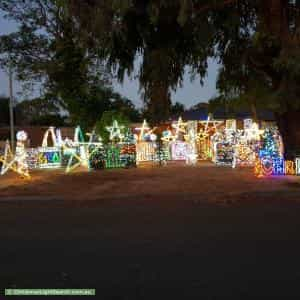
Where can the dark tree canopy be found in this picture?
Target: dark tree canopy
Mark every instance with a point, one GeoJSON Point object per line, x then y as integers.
{"type": "Point", "coordinates": [257, 43]}
{"type": "Point", "coordinates": [48, 49]}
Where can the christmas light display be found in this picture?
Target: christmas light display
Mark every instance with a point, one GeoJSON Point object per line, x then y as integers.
{"type": "Point", "coordinates": [224, 154]}
{"type": "Point", "coordinates": [146, 133]}
{"type": "Point", "coordinates": [179, 150]}
{"type": "Point", "coordinates": [270, 157]}
{"type": "Point", "coordinates": [167, 136]}
{"type": "Point", "coordinates": [84, 154]}
{"type": "Point", "coordinates": [145, 143]}
{"type": "Point", "coordinates": [32, 158]}
{"type": "Point", "coordinates": [128, 150]}
{"type": "Point", "coordinates": [231, 125]}
{"type": "Point", "coordinates": [51, 132]}
{"type": "Point", "coordinates": [188, 141]}
{"type": "Point", "coordinates": [263, 167]}
{"type": "Point", "coordinates": [192, 138]}
{"type": "Point", "coordinates": [75, 160]}
{"type": "Point", "coordinates": [112, 157]}
{"type": "Point", "coordinates": [115, 132]}
{"type": "Point", "coordinates": [290, 168]}
{"type": "Point", "coordinates": [16, 163]}
{"type": "Point", "coordinates": [246, 143]}
{"type": "Point", "coordinates": [122, 154]}
{"type": "Point", "coordinates": [248, 123]}
{"type": "Point", "coordinates": [297, 163]}
{"type": "Point", "coordinates": [278, 166]}
{"type": "Point", "coordinates": [180, 129]}
{"type": "Point", "coordinates": [203, 143]}
{"type": "Point", "coordinates": [97, 158]}
{"type": "Point", "coordinates": [244, 155]}
{"type": "Point", "coordinates": [49, 158]}
{"type": "Point", "coordinates": [146, 151]}
{"type": "Point", "coordinates": [252, 131]}
{"type": "Point", "coordinates": [162, 155]}
{"type": "Point", "coordinates": [208, 128]}
{"type": "Point", "coordinates": [218, 137]}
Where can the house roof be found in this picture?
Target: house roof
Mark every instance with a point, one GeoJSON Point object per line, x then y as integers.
{"type": "Point", "coordinates": [220, 114]}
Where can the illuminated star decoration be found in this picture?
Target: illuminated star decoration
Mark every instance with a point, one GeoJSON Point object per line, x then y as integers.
{"type": "Point", "coordinates": [115, 131]}
{"type": "Point", "coordinates": [16, 163]}
{"type": "Point", "coordinates": [7, 159]}
{"type": "Point", "coordinates": [145, 131]}
{"type": "Point", "coordinates": [180, 127]}
{"type": "Point", "coordinates": [142, 130]}
{"type": "Point", "coordinates": [254, 133]}
{"type": "Point", "coordinates": [80, 155]}
{"type": "Point", "coordinates": [209, 124]}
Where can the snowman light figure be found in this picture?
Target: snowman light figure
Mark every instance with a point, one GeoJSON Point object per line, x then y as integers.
{"type": "Point", "coordinates": [21, 155]}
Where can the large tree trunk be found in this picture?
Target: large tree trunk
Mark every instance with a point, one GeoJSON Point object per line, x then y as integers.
{"type": "Point", "coordinates": [289, 127]}
{"type": "Point", "coordinates": [158, 103]}
{"type": "Point", "coordinates": [275, 21]}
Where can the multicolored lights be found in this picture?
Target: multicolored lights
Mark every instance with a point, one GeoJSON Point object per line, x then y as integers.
{"type": "Point", "coordinates": [224, 143]}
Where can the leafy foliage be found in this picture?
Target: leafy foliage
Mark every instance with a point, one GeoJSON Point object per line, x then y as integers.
{"type": "Point", "coordinates": [47, 49]}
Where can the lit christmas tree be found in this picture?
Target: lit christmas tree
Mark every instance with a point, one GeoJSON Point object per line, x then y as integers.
{"type": "Point", "coordinates": [128, 150]}
{"type": "Point", "coordinates": [270, 160]}
{"type": "Point", "coordinates": [269, 145]}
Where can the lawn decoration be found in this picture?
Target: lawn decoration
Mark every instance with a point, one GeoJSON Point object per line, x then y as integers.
{"type": "Point", "coordinates": [32, 158]}
{"type": "Point", "coordinates": [16, 163]}
{"type": "Point", "coordinates": [83, 154]}
{"type": "Point", "coordinates": [191, 138]}
{"type": "Point", "coordinates": [223, 148]}
{"type": "Point", "coordinates": [244, 156]}
{"type": "Point", "coordinates": [270, 159]}
{"type": "Point", "coordinates": [231, 126]}
{"type": "Point", "coordinates": [115, 132]}
{"type": "Point", "coordinates": [252, 131]}
{"type": "Point", "coordinates": [224, 153]}
{"type": "Point", "coordinates": [297, 163]}
{"type": "Point", "coordinates": [49, 157]}
{"type": "Point", "coordinates": [96, 151]}
{"type": "Point", "coordinates": [290, 168]}
{"type": "Point", "coordinates": [207, 129]}
{"type": "Point", "coordinates": [180, 129]}
{"type": "Point", "coordinates": [128, 150]}
{"type": "Point", "coordinates": [121, 153]}
{"type": "Point", "coordinates": [146, 145]}
{"type": "Point", "coordinates": [162, 155]}
{"type": "Point", "coordinates": [50, 131]}
{"type": "Point", "coordinates": [146, 151]}
{"type": "Point", "coordinates": [167, 136]}
{"type": "Point", "coordinates": [179, 148]}
{"type": "Point", "coordinates": [246, 144]}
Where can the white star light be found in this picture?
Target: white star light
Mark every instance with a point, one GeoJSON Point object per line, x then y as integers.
{"type": "Point", "coordinates": [115, 131]}
{"type": "Point", "coordinates": [179, 128]}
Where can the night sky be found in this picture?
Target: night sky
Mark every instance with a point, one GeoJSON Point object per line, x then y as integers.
{"type": "Point", "coordinates": [191, 93]}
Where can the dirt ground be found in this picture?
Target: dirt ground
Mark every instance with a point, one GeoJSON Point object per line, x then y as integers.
{"type": "Point", "coordinates": [175, 232]}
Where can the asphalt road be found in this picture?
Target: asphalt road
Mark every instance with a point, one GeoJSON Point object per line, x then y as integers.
{"type": "Point", "coordinates": [184, 240]}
